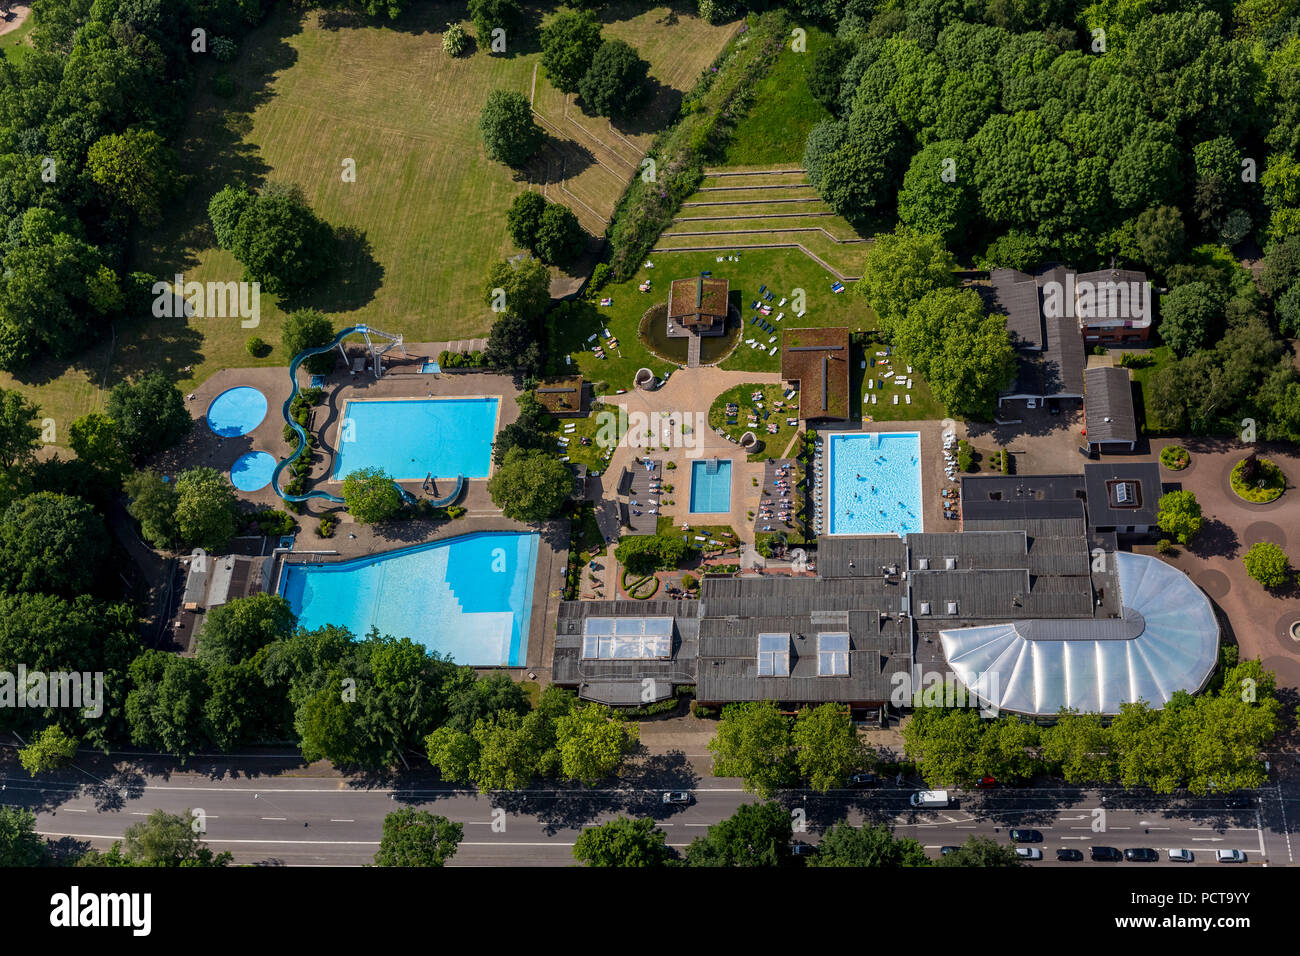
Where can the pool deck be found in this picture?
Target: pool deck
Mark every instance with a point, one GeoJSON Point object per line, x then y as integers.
{"type": "Point", "coordinates": [933, 479]}
{"type": "Point", "coordinates": [402, 380]}
{"type": "Point", "coordinates": [350, 540]}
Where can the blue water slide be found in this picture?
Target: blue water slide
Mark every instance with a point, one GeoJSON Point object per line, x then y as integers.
{"type": "Point", "coordinates": [302, 432]}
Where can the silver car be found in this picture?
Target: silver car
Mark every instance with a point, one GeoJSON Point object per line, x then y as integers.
{"type": "Point", "coordinates": [678, 798]}
{"type": "Point", "coordinates": [1029, 853]}
{"type": "Point", "coordinates": [1181, 856]}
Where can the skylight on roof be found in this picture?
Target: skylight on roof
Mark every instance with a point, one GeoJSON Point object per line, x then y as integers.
{"type": "Point", "coordinates": [627, 638]}
{"type": "Point", "coordinates": [774, 655]}
{"type": "Point", "coordinates": [833, 654]}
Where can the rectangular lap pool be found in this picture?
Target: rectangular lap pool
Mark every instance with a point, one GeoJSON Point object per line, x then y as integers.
{"type": "Point", "coordinates": [468, 597]}
{"type": "Point", "coordinates": [710, 485]}
{"type": "Point", "coordinates": [410, 438]}
{"type": "Point", "coordinates": [874, 483]}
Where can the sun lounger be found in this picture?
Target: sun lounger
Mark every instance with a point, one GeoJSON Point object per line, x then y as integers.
{"type": "Point", "coordinates": [800, 313]}
{"type": "Point", "coordinates": [873, 398]}
{"type": "Point", "coordinates": [773, 350]}
{"type": "Point", "coordinates": [909, 383]}
{"type": "Point", "coordinates": [771, 339]}
{"type": "Point", "coordinates": [909, 399]}
{"type": "Point", "coordinates": [592, 336]}
{"type": "Point", "coordinates": [781, 303]}
{"type": "Point", "coordinates": [700, 537]}
{"type": "Point", "coordinates": [780, 316]}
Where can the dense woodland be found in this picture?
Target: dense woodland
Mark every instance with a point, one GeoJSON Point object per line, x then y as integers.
{"type": "Point", "coordinates": [1162, 136]}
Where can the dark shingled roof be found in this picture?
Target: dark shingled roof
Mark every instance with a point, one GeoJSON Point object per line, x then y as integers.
{"type": "Point", "coordinates": [1016, 296]}
{"type": "Point", "coordinates": [698, 301]}
{"type": "Point", "coordinates": [1108, 406]}
{"type": "Point", "coordinates": [868, 555]}
{"type": "Point", "coordinates": [1063, 357]}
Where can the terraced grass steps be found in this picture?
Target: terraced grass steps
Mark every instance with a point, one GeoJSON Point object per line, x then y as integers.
{"type": "Point", "coordinates": [840, 259]}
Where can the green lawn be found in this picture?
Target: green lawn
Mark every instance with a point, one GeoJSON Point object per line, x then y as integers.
{"type": "Point", "coordinates": [427, 209]}
{"type": "Point", "coordinates": [773, 444]}
{"type": "Point", "coordinates": [783, 113]}
{"type": "Point", "coordinates": [783, 270]}
{"type": "Point", "coordinates": [924, 405]}
{"type": "Point", "coordinates": [14, 44]}
{"type": "Point", "coordinates": [1163, 356]}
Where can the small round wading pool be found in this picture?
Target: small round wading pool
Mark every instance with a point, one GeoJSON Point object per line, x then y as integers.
{"type": "Point", "coordinates": [236, 411]}
{"type": "Point", "coordinates": [252, 472]}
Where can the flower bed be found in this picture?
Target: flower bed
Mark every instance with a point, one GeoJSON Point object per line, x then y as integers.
{"type": "Point", "coordinates": [1268, 485]}
{"type": "Point", "coordinates": [1175, 457]}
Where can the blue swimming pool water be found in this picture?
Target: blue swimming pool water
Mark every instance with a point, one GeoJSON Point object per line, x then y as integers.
{"type": "Point", "coordinates": [467, 597]}
{"type": "Point", "coordinates": [430, 367]}
{"type": "Point", "coordinates": [252, 471]}
{"type": "Point", "coordinates": [236, 411]}
{"type": "Point", "coordinates": [875, 483]}
{"type": "Point", "coordinates": [710, 485]}
{"type": "Point", "coordinates": [411, 438]}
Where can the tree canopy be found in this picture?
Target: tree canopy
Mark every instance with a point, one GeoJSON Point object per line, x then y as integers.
{"type": "Point", "coordinates": [510, 134]}
{"type": "Point", "coordinates": [417, 838]}
{"type": "Point", "coordinates": [530, 486]}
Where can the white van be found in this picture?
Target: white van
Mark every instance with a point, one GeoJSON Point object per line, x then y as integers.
{"type": "Point", "coordinates": [931, 799]}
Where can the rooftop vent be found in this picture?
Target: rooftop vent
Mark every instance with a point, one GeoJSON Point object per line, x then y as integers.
{"type": "Point", "coordinates": [950, 563]}
{"type": "Point", "coordinates": [925, 564]}
{"type": "Point", "coordinates": [952, 608]}
{"type": "Point", "coordinates": [925, 607]}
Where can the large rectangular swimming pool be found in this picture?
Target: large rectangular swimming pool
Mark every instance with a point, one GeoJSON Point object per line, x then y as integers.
{"type": "Point", "coordinates": [468, 597]}
{"type": "Point", "coordinates": [410, 438]}
{"type": "Point", "coordinates": [875, 483]}
{"type": "Point", "coordinates": [710, 486]}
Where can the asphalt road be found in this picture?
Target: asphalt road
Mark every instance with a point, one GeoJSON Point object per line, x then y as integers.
{"type": "Point", "coordinates": [274, 819]}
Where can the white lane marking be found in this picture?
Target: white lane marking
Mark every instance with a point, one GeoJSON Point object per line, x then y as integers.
{"type": "Point", "coordinates": [332, 820]}
{"type": "Point", "coordinates": [274, 818]}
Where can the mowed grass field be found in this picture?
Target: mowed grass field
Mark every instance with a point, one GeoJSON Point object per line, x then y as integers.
{"type": "Point", "coordinates": [743, 207]}
{"type": "Point", "coordinates": [784, 111]}
{"type": "Point", "coordinates": [426, 213]}
{"type": "Point", "coordinates": [781, 270]}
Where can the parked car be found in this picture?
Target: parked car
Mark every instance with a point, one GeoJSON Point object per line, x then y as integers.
{"type": "Point", "coordinates": [1105, 854]}
{"type": "Point", "coordinates": [802, 849]}
{"type": "Point", "coordinates": [1026, 836]}
{"type": "Point", "coordinates": [1054, 406]}
{"type": "Point", "coordinates": [864, 780]}
{"type": "Point", "coordinates": [678, 798]}
{"type": "Point", "coordinates": [1069, 856]}
{"type": "Point", "coordinates": [1141, 854]}
{"type": "Point", "coordinates": [1031, 403]}
{"type": "Point", "coordinates": [1239, 803]}
{"type": "Point", "coordinates": [1029, 853]}
{"type": "Point", "coordinates": [1182, 856]}
{"type": "Point", "coordinates": [1230, 856]}
{"type": "Point", "coordinates": [945, 850]}
{"type": "Point", "coordinates": [985, 783]}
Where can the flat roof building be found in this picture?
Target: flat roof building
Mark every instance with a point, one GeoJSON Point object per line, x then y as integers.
{"type": "Point", "coordinates": [1030, 618]}
{"type": "Point", "coordinates": [818, 359]}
